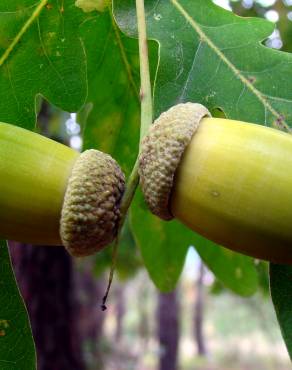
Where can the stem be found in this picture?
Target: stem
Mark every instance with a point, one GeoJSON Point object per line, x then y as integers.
{"type": "Point", "coordinates": [146, 106]}
{"type": "Point", "coordinates": [125, 205]}
{"type": "Point", "coordinates": [145, 92]}
{"type": "Point", "coordinates": [146, 121]}
{"type": "Point", "coordinates": [22, 31]}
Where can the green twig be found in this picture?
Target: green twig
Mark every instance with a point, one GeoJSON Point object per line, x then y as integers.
{"type": "Point", "coordinates": [145, 91]}
{"type": "Point", "coordinates": [146, 121]}
{"type": "Point", "coordinates": [132, 184]}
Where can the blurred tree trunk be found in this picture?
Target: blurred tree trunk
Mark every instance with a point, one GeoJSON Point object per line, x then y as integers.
{"type": "Point", "coordinates": [120, 311]}
{"type": "Point", "coordinates": [199, 313]}
{"type": "Point", "coordinates": [45, 278]}
{"type": "Point", "coordinates": [91, 318]}
{"type": "Point", "coordinates": [144, 327]}
{"type": "Point", "coordinates": [168, 330]}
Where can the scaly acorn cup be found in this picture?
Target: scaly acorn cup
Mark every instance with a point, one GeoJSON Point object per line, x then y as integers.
{"type": "Point", "coordinates": [229, 181]}
{"type": "Point", "coordinates": [50, 194]}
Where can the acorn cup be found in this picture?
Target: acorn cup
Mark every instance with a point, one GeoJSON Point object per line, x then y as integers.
{"type": "Point", "coordinates": [52, 195]}
{"type": "Point", "coordinates": [227, 180]}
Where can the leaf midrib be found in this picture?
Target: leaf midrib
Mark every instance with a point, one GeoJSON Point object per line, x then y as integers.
{"type": "Point", "coordinates": [232, 67]}
{"type": "Point", "coordinates": [124, 56]}
{"type": "Point", "coordinates": [22, 31]}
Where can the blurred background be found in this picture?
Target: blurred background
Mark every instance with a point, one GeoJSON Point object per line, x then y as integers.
{"type": "Point", "coordinates": [201, 325]}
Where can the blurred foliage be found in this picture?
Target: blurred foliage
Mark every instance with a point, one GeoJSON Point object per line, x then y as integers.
{"type": "Point", "coordinates": [16, 343]}
{"type": "Point", "coordinates": [263, 285]}
{"type": "Point", "coordinates": [281, 290]}
{"type": "Point", "coordinates": [257, 9]}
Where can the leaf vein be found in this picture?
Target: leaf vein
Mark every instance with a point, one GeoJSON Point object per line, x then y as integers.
{"type": "Point", "coordinates": [22, 31]}
{"type": "Point", "coordinates": [49, 60]}
{"type": "Point", "coordinates": [190, 72]}
{"type": "Point", "coordinates": [124, 58]}
{"type": "Point", "coordinates": [231, 66]}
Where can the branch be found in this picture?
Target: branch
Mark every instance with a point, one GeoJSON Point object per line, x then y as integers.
{"type": "Point", "coordinates": [146, 121]}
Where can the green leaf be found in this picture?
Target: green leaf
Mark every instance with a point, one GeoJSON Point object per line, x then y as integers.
{"type": "Point", "coordinates": [263, 277]}
{"type": "Point", "coordinates": [236, 271]}
{"type": "Point", "coordinates": [111, 118]}
{"type": "Point", "coordinates": [211, 56]}
{"type": "Point", "coordinates": [40, 53]}
{"type": "Point", "coordinates": [281, 291]}
{"type": "Point", "coordinates": [16, 344]}
{"type": "Point", "coordinates": [128, 259]}
{"type": "Point", "coordinates": [163, 244]}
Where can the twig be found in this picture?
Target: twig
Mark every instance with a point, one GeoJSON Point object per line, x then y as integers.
{"type": "Point", "coordinates": [146, 121]}
{"type": "Point", "coordinates": [145, 91]}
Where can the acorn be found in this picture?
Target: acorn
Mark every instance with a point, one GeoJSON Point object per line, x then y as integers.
{"type": "Point", "coordinates": [52, 195]}
{"type": "Point", "coordinates": [227, 180]}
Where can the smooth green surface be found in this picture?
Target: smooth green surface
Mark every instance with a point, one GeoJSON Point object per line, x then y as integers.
{"type": "Point", "coordinates": [36, 171]}
{"type": "Point", "coordinates": [281, 290]}
{"type": "Point", "coordinates": [48, 60]}
{"type": "Point", "coordinates": [17, 350]}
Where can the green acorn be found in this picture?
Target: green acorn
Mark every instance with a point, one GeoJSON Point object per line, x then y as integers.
{"type": "Point", "coordinates": [229, 181]}
{"type": "Point", "coordinates": [52, 195]}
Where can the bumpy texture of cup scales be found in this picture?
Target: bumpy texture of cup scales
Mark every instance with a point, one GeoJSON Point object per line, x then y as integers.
{"type": "Point", "coordinates": [91, 209]}
{"type": "Point", "coordinates": [161, 152]}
